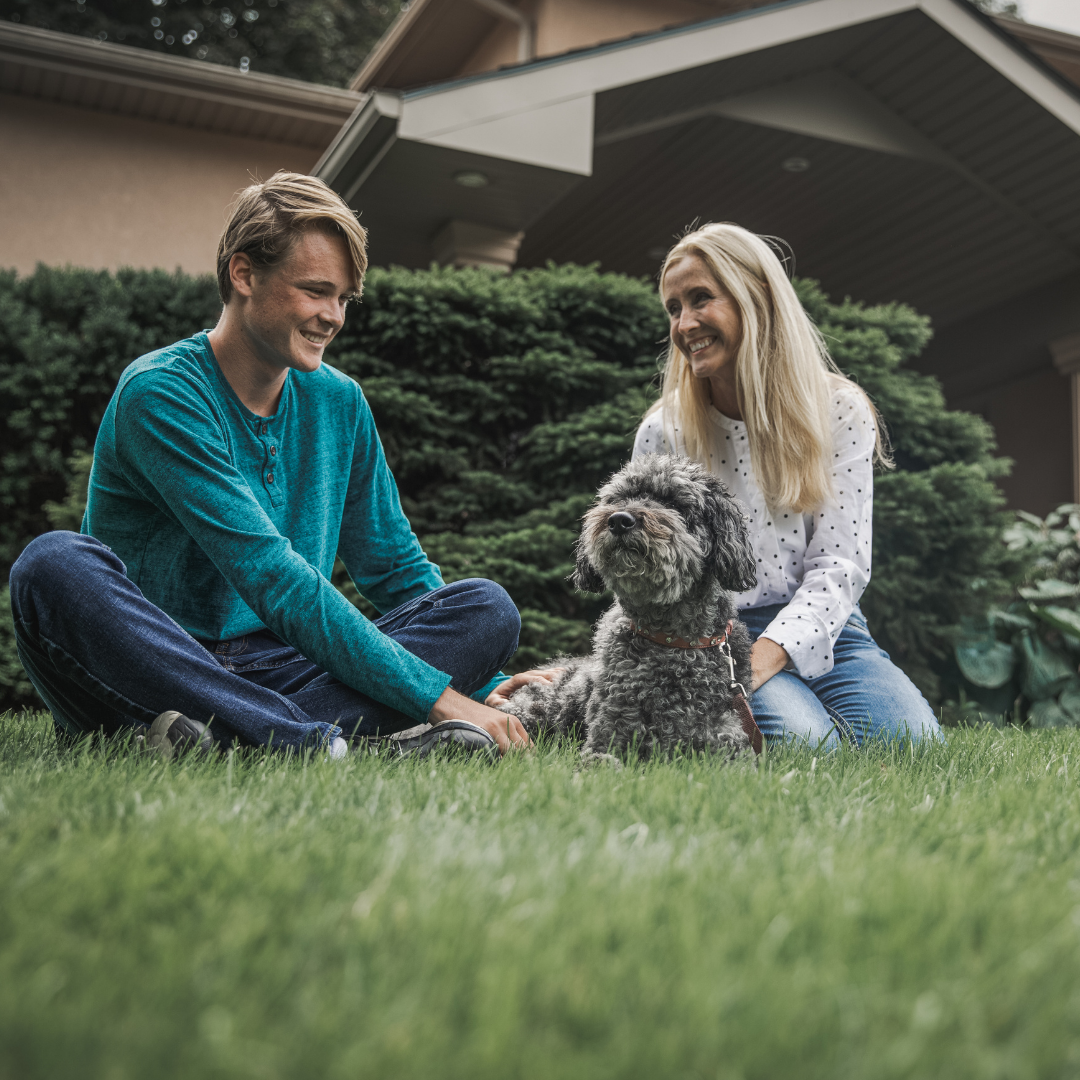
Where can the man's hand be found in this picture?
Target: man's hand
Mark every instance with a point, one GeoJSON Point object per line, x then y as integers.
{"type": "Point", "coordinates": [501, 694]}
{"type": "Point", "coordinates": [506, 730]}
{"type": "Point", "coordinates": [766, 659]}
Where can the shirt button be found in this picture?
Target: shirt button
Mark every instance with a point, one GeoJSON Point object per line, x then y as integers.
{"type": "Point", "coordinates": [273, 451]}
{"type": "Point", "coordinates": [263, 429]}
{"type": "Point", "coordinates": [269, 477]}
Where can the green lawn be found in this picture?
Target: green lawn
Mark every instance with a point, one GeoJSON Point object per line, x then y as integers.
{"type": "Point", "coordinates": [874, 914]}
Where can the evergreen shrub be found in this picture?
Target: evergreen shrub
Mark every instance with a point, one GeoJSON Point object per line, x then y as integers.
{"type": "Point", "coordinates": [502, 402]}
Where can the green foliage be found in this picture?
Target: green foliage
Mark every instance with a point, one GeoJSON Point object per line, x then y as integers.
{"type": "Point", "coordinates": [503, 401]}
{"type": "Point", "coordinates": [16, 690]}
{"type": "Point", "coordinates": [322, 41]}
{"type": "Point", "coordinates": [869, 914]}
{"type": "Point", "coordinates": [65, 337]}
{"type": "Point", "coordinates": [1023, 656]}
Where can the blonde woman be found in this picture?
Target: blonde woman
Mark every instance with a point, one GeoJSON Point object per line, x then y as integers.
{"type": "Point", "coordinates": [750, 391]}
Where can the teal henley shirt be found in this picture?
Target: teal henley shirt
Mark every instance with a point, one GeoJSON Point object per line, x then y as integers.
{"type": "Point", "coordinates": [229, 522]}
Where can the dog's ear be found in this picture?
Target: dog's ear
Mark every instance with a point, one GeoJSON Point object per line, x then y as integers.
{"type": "Point", "coordinates": [585, 577]}
{"type": "Point", "coordinates": [730, 551]}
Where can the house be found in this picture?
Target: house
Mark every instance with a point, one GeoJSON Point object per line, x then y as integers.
{"type": "Point", "coordinates": [907, 150]}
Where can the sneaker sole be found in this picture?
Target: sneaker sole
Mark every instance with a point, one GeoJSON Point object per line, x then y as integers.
{"type": "Point", "coordinates": [173, 734]}
{"type": "Point", "coordinates": [458, 736]}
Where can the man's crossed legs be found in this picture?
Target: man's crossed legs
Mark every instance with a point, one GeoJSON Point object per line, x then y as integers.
{"type": "Point", "coordinates": [104, 658]}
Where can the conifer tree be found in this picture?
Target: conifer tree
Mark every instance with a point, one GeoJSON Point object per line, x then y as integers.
{"type": "Point", "coordinates": [503, 401]}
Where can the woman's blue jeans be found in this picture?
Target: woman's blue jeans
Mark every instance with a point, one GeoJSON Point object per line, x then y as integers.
{"type": "Point", "coordinates": [865, 696]}
{"type": "Point", "coordinates": [103, 658]}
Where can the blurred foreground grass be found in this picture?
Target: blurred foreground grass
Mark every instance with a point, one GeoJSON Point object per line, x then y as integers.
{"type": "Point", "coordinates": [886, 913]}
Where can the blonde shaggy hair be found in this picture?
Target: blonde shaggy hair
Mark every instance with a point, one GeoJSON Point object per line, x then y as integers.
{"type": "Point", "coordinates": [266, 220]}
{"type": "Point", "coordinates": [784, 376]}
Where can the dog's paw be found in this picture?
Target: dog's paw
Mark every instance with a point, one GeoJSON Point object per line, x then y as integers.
{"type": "Point", "coordinates": [589, 759]}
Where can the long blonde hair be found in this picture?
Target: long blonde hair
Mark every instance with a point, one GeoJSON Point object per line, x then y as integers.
{"type": "Point", "coordinates": [784, 376]}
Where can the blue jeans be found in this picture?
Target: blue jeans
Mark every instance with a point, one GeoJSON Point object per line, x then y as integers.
{"type": "Point", "coordinates": [865, 696]}
{"type": "Point", "coordinates": [103, 658]}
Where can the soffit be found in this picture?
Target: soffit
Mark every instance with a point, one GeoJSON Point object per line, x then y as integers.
{"type": "Point", "coordinates": [125, 81]}
{"type": "Point", "coordinates": [988, 212]}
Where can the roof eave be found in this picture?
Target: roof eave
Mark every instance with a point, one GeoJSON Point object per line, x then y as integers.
{"type": "Point", "coordinates": [127, 66]}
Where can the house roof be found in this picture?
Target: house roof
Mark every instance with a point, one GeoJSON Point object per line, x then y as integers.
{"type": "Point", "coordinates": [432, 40]}
{"type": "Point", "coordinates": [428, 42]}
{"type": "Point", "coordinates": [943, 155]}
{"type": "Point", "coordinates": [134, 82]}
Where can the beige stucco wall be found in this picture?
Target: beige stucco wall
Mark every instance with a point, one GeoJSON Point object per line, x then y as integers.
{"type": "Point", "coordinates": [102, 191]}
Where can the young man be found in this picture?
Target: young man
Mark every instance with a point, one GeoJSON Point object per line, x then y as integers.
{"type": "Point", "coordinates": [229, 470]}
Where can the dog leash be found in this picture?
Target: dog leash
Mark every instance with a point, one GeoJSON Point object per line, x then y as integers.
{"type": "Point", "coordinates": [741, 699]}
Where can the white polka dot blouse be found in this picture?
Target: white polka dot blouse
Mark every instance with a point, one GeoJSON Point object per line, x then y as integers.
{"type": "Point", "coordinates": [817, 565]}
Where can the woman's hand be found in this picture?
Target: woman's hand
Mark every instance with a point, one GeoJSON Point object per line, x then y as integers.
{"type": "Point", "coordinates": [766, 659]}
{"type": "Point", "coordinates": [501, 694]}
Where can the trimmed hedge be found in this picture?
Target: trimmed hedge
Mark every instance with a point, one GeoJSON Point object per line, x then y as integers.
{"type": "Point", "coordinates": [503, 401]}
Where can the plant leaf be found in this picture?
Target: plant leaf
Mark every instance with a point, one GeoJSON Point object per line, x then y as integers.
{"type": "Point", "coordinates": [1011, 620]}
{"type": "Point", "coordinates": [1060, 618]}
{"type": "Point", "coordinates": [986, 662]}
{"type": "Point", "coordinates": [1050, 589]}
{"type": "Point", "coordinates": [1070, 701]}
{"type": "Point", "coordinates": [1044, 671]}
{"type": "Point", "coordinates": [1048, 714]}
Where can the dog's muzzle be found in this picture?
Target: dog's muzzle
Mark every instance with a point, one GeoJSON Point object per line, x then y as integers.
{"type": "Point", "coordinates": [621, 522]}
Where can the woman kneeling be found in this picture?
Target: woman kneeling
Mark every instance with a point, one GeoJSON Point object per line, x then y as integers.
{"type": "Point", "coordinates": [751, 392]}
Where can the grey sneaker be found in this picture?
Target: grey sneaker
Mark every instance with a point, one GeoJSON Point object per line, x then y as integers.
{"type": "Point", "coordinates": [173, 734]}
{"type": "Point", "coordinates": [450, 735]}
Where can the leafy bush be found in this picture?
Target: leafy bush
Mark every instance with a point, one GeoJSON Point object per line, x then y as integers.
{"type": "Point", "coordinates": [502, 402]}
{"type": "Point", "coordinates": [1023, 657]}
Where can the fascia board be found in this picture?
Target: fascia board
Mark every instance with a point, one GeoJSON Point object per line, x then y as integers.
{"type": "Point", "coordinates": [354, 131]}
{"type": "Point", "coordinates": [1008, 58]}
{"type": "Point", "coordinates": [125, 65]}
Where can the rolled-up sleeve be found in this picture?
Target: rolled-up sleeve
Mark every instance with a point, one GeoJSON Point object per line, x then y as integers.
{"type": "Point", "coordinates": [836, 565]}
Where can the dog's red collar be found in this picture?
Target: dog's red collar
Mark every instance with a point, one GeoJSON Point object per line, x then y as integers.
{"type": "Point", "coordinates": [672, 642]}
{"type": "Point", "coordinates": [742, 705]}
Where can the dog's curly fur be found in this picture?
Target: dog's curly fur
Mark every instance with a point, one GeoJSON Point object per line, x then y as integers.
{"type": "Point", "coordinates": [673, 571]}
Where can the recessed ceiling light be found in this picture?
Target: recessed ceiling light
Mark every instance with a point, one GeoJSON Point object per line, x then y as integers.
{"type": "Point", "coordinates": [795, 164]}
{"type": "Point", "coordinates": [471, 178]}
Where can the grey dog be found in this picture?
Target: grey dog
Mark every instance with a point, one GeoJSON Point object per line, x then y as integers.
{"type": "Point", "coordinates": [669, 656]}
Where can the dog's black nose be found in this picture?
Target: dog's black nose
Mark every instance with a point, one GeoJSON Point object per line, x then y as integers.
{"type": "Point", "coordinates": [621, 522]}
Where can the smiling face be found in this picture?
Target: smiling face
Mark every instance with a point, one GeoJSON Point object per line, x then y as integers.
{"type": "Point", "coordinates": [705, 324]}
{"type": "Point", "coordinates": [292, 311]}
